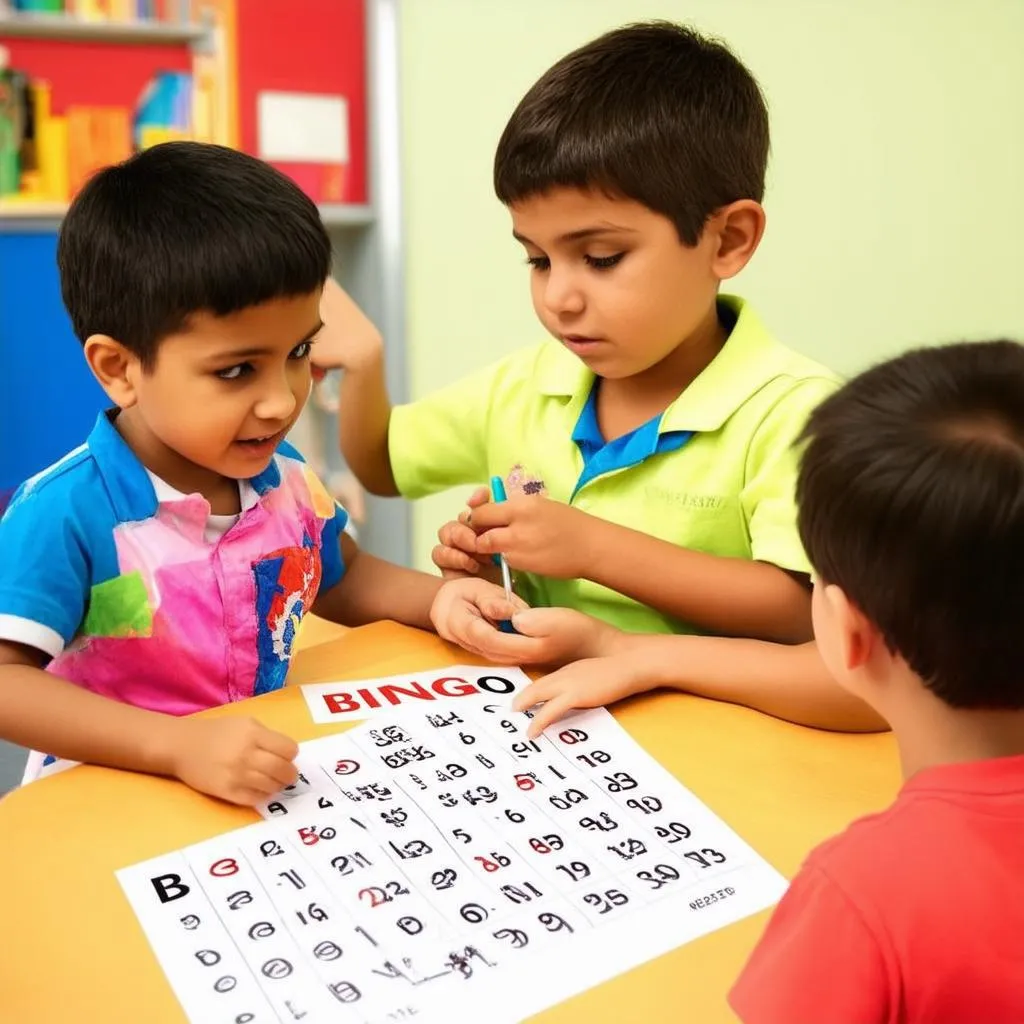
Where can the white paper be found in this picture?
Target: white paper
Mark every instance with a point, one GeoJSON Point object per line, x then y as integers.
{"type": "Point", "coordinates": [440, 866]}
{"type": "Point", "coordinates": [302, 127]}
{"type": "Point", "coordinates": [360, 699]}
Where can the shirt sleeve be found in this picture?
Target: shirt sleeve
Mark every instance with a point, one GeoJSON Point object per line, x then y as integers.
{"type": "Point", "coordinates": [44, 572]}
{"type": "Point", "coordinates": [440, 441]}
{"type": "Point", "coordinates": [768, 498]}
{"type": "Point", "coordinates": [817, 961]}
{"type": "Point", "coordinates": [332, 563]}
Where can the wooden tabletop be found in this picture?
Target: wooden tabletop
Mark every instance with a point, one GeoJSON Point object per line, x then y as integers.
{"type": "Point", "coordinates": [72, 949]}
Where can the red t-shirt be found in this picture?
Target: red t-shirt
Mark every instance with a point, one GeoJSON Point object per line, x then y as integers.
{"type": "Point", "coordinates": [911, 916]}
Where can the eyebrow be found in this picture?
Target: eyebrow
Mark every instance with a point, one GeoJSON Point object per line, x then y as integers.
{"type": "Point", "coordinates": [581, 234]}
{"type": "Point", "coordinates": [256, 351]}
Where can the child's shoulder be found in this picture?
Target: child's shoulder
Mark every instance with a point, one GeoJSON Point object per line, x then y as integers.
{"type": "Point", "coordinates": [71, 481]}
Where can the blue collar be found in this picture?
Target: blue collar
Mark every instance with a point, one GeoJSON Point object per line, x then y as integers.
{"type": "Point", "coordinates": [130, 489]}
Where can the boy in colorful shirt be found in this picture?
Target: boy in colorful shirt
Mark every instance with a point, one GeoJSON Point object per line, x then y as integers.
{"type": "Point", "coordinates": [165, 565]}
{"type": "Point", "coordinates": [911, 507]}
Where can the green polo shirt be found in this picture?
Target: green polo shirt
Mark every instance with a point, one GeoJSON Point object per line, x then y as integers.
{"type": "Point", "coordinates": [727, 489]}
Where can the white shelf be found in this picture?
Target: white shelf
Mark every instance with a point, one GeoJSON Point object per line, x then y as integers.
{"type": "Point", "coordinates": [46, 216]}
{"type": "Point", "coordinates": [66, 27]}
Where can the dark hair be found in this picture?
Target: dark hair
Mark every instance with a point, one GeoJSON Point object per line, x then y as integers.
{"type": "Point", "coordinates": [182, 228]}
{"type": "Point", "coordinates": [653, 112]}
{"type": "Point", "coordinates": [911, 499]}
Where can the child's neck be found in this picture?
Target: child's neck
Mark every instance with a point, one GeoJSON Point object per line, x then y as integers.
{"type": "Point", "coordinates": [221, 492]}
{"type": "Point", "coordinates": [930, 732]}
{"type": "Point", "coordinates": [627, 403]}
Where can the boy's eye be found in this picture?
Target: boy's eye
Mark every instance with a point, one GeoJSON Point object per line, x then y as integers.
{"type": "Point", "coordinates": [539, 262]}
{"type": "Point", "coordinates": [301, 351]}
{"type": "Point", "coordinates": [235, 372]}
{"type": "Point", "coordinates": [604, 262]}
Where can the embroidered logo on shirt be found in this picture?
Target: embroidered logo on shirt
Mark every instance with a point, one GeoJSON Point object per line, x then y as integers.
{"type": "Point", "coordinates": [287, 583]}
{"type": "Point", "coordinates": [519, 481]}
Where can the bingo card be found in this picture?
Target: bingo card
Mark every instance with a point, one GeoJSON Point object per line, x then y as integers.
{"type": "Point", "coordinates": [438, 865]}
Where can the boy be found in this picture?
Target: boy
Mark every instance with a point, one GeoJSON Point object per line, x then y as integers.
{"type": "Point", "coordinates": [165, 565]}
{"type": "Point", "coordinates": [911, 508]}
{"type": "Point", "coordinates": [647, 450]}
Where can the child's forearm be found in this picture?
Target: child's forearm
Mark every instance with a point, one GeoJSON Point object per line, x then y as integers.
{"type": "Point", "coordinates": [364, 414]}
{"type": "Point", "coordinates": [46, 713]}
{"type": "Point", "coordinates": [373, 589]}
{"type": "Point", "coordinates": [730, 596]}
{"type": "Point", "coordinates": [786, 681]}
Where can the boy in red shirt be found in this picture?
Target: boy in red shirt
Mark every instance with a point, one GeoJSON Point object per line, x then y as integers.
{"type": "Point", "coordinates": [911, 509]}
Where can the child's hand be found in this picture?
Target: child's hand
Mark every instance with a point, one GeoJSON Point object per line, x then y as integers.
{"type": "Point", "coordinates": [456, 555]}
{"type": "Point", "coordinates": [561, 635]}
{"type": "Point", "coordinates": [349, 339]}
{"type": "Point", "coordinates": [465, 612]}
{"type": "Point", "coordinates": [538, 534]}
{"type": "Point", "coordinates": [236, 759]}
{"type": "Point", "coordinates": [592, 683]}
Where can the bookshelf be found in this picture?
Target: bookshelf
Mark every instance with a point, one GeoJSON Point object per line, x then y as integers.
{"type": "Point", "coordinates": [67, 28]}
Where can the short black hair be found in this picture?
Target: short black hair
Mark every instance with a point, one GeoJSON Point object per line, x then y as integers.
{"type": "Point", "coordinates": [911, 499]}
{"type": "Point", "coordinates": [653, 112]}
{"type": "Point", "coordinates": [183, 228]}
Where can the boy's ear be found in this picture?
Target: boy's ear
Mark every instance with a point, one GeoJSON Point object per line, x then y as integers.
{"type": "Point", "coordinates": [858, 642]}
{"type": "Point", "coordinates": [115, 367]}
{"type": "Point", "coordinates": [737, 229]}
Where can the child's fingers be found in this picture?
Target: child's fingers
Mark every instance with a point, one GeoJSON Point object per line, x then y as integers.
{"type": "Point", "coordinates": [457, 535]}
{"type": "Point", "coordinates": [449, 560]}
{"type": "Point", "coordinates": [481, 496]}
{"type": "Point", "coordinates": [259, 782]}
{"type": "Point", "coordinates": [279, 744]}
{"type": "Point", "coordinates": [282, 771]}
{"type": "Point", "coordinates": [549, 713]}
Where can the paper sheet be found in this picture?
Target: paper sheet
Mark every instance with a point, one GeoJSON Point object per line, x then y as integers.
{"type": "Point", "coordinates": [440, 866]}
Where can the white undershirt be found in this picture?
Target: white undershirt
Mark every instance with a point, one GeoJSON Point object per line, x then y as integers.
{"type": "Point", "coordinates": [216, 526]}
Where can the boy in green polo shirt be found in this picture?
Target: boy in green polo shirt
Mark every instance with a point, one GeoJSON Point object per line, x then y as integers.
{"type": "Point", "coordinates": [648, 450]}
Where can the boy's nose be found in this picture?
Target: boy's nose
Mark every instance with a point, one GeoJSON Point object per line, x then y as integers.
{"type": "Point", "coordinates": [277, 403]}
{"type": "Point", "coordinates": [562, 294]}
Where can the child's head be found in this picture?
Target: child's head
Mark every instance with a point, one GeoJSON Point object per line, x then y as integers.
{"type": "Point", "coordinates": [192, 275]}
{"type": "Point", "coordinates": [911, 509]}
{"type": "Point", "coordinates": [634, 170]}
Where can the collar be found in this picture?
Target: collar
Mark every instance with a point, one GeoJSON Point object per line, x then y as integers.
{"type": "Point", "coordinates": [127, 480]}
{"type": "Point", "coordinates": [749, 359]}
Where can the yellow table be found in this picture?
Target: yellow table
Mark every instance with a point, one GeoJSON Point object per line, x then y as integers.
{"type": "Point", "coordinates": [72, 950]}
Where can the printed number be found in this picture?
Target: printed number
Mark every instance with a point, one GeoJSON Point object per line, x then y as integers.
{"type": "Point", "coordinates": [473, 913]}
{"type": "Point", "coordinates": [507, 725]}
{"type": "Point", "coordinates": [713, 897]}
{"type": "Point", "coordinates": [311, 913]}
{"type": "Point", "coordinates": [270, 848]}
{"type": "Point", "coordinates": [573, 736]}
{"type": "Point", "coordinates": [525, 748]}
{"type": "Point", "coordinates": [479, 795]}
{"type": "Point", "coordinates": [443, 879]}
{"type": "Point", "coordinates": [494, 862]}
{"type": "Point", "coordinates": [312, 835]}
{"type": "Point", "coordinates": [645, 805]}
{"type": "Point", "coordinates": [619, 782]}
{"type": "Point", "coordinates": [378, 895]}
{"type": "Point", "coordinates": [239, 899]}
{"type": "Point", "coordinates": [660, 875]}
{"type": "Point", "coordinates": [570, 797]}
{"type": "Point", "coordinates": [525, 780]}
{"type": "Point", "coordinates": [705, 857]}
{"type": "Point", "coordinates": [515, 817]}
{"type": "Point", "coordinates": [627, 849]}
{"type": "Point", "coordinates": [468, 738]}
{"type": "Point", "coordinates": [594, 758]}
{"type": "Point", "coordinates": [462, 835]}
{"type": "Point", "coordinates": [604, 822]}
{"type": "Point", "coordinates": [554, 923]}
{"type": "Point", "coordinates": [521, 893]}
{"type": "Point", "coordinates": [415, 848]}
{"type": "Point", "coordinates": [575, 869]}
{"type": "Point", "coordinates": [673, 832]}
{"type": "Point", "coordinates": [547, 843]}
{"type": "Point", "coordinates": [347, 863]}
{"type": "Point", "coordinates": [292, 876]}
{"type": "Point", "coordinates": [605, 901]}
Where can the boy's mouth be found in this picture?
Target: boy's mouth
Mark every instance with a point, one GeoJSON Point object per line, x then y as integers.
{"type": "Point", "coordinates": [579, 343]}
{"type": "Point", "coordinates": [261, 446]}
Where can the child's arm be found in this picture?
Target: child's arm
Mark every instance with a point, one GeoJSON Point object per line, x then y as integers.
{"type": "Point", "coordinates": [236, 759]}
{"type": "Point", "coordinates": [789, 682]}
{"type": "Point", "coordinates": [818, 960]}
{"type": "Point", "coordinates": [350, 341]}
{"type": "Point", "coordinates": [463, 611]}
{"type": "Point", "coordinates": [731, 596]}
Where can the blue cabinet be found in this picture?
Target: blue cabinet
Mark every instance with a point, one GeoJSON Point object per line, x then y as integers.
{"type": "Point", "coordinates": [48, 397]}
